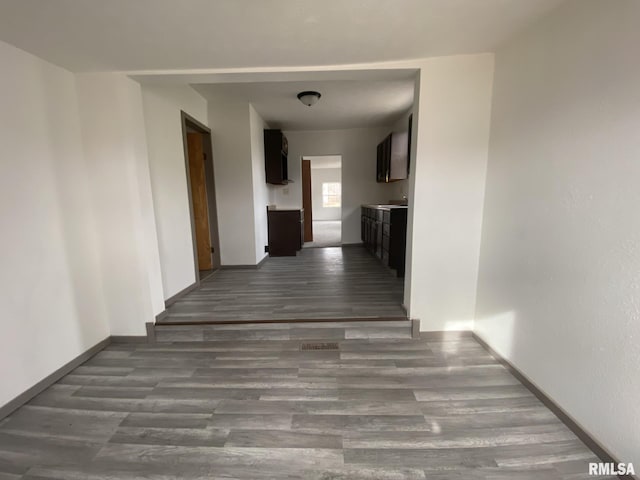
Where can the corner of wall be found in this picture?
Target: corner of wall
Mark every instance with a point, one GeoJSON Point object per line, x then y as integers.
{"type": "Point", "coordinates": [451, 124]}
{"type": "Point", "coordinates": [114, 145]}
{"type": "Point", "coordinates": [261, 192]}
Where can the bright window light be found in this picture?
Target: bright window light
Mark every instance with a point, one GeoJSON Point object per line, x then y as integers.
{"type": "Point", "coordinates": [331, 193]}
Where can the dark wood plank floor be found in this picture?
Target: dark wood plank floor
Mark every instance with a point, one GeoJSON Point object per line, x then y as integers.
{"type": "Point", "coordinates": [318, 283]}
{"type": "Point", "coordinates": [264, 409]}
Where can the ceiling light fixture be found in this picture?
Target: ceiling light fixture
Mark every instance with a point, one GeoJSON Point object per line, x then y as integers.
{"type": "Point", "coordinates": [309, 98]}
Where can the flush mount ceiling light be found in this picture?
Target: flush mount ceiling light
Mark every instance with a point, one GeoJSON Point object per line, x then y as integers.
{"type": "Point", "coordinates": [309, 98]}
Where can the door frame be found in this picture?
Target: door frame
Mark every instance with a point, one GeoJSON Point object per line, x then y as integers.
{"type": "Point", "coordinates": [307, 200]}
{"type": "Point", "coordinates": [309, 157]}
{"type": "Point", "coordinates": [190, 123]}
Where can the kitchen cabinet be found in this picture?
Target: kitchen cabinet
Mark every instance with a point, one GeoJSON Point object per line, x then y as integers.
{"type": "Point", "coordinates": [276, 150]}
{"type": "Point", "coordinates": [286, 232]}
{"type": "Point", "coordinates": [392, 159]}
{"type": "Point", "coordinates": [384, 234]}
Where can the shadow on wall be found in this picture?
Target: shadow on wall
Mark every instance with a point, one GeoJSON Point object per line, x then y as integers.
{"type": "Point", "coordinates": [78, 231]}
{"type": "Point", "coordinates": [503, 326]}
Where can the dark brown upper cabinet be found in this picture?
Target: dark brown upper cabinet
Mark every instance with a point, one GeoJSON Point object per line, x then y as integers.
{"type": "Point", "coordinates": [276, 150]}
{"type": "Point", "coordinates": [392, 158]}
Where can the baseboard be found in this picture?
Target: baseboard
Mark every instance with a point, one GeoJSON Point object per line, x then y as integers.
{"type": "Point", "coordinates": [151, 332]}
{"type": "Point", "coordinates": [446, 335]}
{"type": "Point", "coordinates": [174, 298]}
{"type": "Point", "coordinates": [162, 315]}
{"type": "Point", "coordinates": [415, 328]}
{"type": "Point", "coordinates": [349, 245]}
{"type": "Point", "coordinates": [261, 262]}
{"type": "Point", "coordinates": [564, 417]}
{"type": "Point", "coordinates": [129, 339]}
{"type": "Point", "coordinates": [209, 273]}
{"type": "Point", "coordinates": [49, 380]}
{"type": "Point", "coordinates": [246, 267]}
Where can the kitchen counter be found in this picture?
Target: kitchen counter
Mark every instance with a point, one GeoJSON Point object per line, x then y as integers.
{"type": "Point", "coordinates": [285, 209]}
{"type": "Point", "coordinates": [384, 207]}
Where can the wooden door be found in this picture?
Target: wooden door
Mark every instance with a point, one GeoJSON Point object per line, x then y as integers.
{"type": "Point", "coordinates": [199, 200]}
{"type": "Point", "coordinates": [306, 200]}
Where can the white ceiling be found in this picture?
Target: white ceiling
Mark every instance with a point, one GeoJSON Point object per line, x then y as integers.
{"type": "Point", "coordinates": [344, 103]}
{"type": "Point", "coordinates": [137, 35]}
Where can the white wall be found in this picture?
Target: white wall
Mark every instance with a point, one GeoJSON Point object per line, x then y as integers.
{"type": "Point", "coordinates": [446, 189]}
{"type": "Point", "coordinates": [358, 149]}
{"type": "Point", "coordinates": [261, 192]}
{"type": "Point", "coordinates": [116, 155]}
{"type": "Point", "coordinates": [162, 107]}
{"type": "Point", "coordinates": [50, 288]}
{"type": "Point", "coordinates": [230, 130]}
{"type": "Point", "coordinates": [558, 291]}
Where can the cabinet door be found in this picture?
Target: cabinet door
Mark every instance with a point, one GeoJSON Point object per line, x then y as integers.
{"type": "Point", "coordinates": [301, 242]}
{"type": "Point", "coordinates": [380, 164]}
{"type": "Point", "coordinates": [398, 156]}
{"type": "Point", "coordinates": [285, 232]}
{"type": "Point", "coordinates": [275, 157]}
{"type": "Point", "coordinates": [387, 158]}
{"type": "Point", "coordinates": [379, 239]}
{"type": "Point", "coordinates": [397, 240]}
{"type": "Point", "coordinates": [383, 160]}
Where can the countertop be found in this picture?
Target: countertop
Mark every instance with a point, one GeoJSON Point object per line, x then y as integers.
{"type": "Point", "coordinates": [385, 207]}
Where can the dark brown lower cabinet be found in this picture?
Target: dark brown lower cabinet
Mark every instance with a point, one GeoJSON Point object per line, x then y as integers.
{"type": "Point", "coordinates": [384, 234]}
{"type": "Point", "coordinates": [286, 232]}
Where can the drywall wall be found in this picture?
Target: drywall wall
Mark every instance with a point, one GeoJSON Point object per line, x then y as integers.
{"type": "Point", "coordinates": [113, 137]}
{"type": "Point", "coordinates": [358, 149]}
{"type": "Point", "coordinates": [229, 121]}
{"type": "Point", "coordinates": [50, 280]}
{"type": "Point", "coordinates": [261, 194]}
{"type": "Point", "coordinates": [162, 109]}
{"type": "Point", "coordinates": [558, 292]}
{"type": "Point", "coordinates": [318, 177]}
{"type": "Point", "coordinates": [446, 189]}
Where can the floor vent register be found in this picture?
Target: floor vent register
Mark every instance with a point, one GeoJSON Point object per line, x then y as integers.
{"type": "Point", "coordinates": [319, 346]}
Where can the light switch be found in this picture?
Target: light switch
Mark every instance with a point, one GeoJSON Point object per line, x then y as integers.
{"type": "Point", "coordinates": [285, 191]}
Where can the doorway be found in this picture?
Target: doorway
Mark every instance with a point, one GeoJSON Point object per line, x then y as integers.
{"type": "Point", "coordinates": [322, 200]}
{"type": "Point", "coordinates": [202, 198]}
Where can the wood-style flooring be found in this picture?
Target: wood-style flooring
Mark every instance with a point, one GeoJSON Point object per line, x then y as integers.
{"type": "Point", "coordinates": [264, 409]}
{"type": "Point", "coordinates": [318, 283]}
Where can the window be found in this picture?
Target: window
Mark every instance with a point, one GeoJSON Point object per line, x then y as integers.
{"type": "Point", "coordinates": [331, 193]}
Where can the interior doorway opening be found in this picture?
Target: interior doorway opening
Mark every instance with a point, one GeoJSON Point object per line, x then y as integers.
{"type": "Point", "coordinates": [202, 199]}
{"type": "Point", "coordinates": [322, 200]}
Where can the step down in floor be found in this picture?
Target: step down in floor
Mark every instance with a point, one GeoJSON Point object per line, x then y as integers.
{"type": "Point", "coordinates": [299, 331]}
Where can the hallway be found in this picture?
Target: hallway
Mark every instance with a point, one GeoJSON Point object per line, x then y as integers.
{"type": "Point", "coordinates": [318, 283]}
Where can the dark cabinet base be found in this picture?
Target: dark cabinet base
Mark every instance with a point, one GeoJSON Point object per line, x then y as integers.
{"type": "Point", "coordinates": [384, 234]}
{"type": "Point", "coordinates": [286, 232]}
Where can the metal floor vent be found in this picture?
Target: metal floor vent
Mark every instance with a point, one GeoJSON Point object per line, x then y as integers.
{"type": "Point", "coordinates": [319, 346]}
